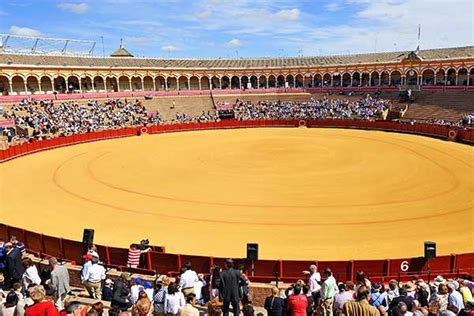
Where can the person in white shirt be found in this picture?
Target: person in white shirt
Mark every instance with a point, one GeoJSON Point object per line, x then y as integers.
{"type": "Point", "coordinates": [85, 267]}
{"type": "Point", "coordinates": [148, 290]}
{"type": "Point", "coordinates": [314, 284]}
{"type": "Point", "coordinates": [93, 278]}
{"type": "Point", "coordinates": [188, 279]}
{"type": "Point", "coordinates": [30, 276]}
{"type": "Point", "coordinates": [198, 288]}
{"type": "Point", "coordinates": [135, 290]}
{"type": "Point", "coordinates": [174, 300]}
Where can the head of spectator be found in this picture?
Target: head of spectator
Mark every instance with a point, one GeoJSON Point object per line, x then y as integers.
{"type": "Point", "coordinates": [147, 285]}
{"type": "Point", "coordinates": [363, 293]}
{"type": "Point", "coordinates": [327, 272]}
{"type": "Point", "coordinates": [401, 307]}
{"type": "Point", "coordinates": [96, 309]}
{"type": "Point", "coordinates": [297, 290]}
{"type": "Point", "coordinates": [377, 288]}
{"type": "Point", "coordinates": [11, 299]}
{"type": "Point", "coordinates": [341, 287]}
{"type": "Point", "coordinates": [172, 288]}
{"type": "Point", "coordinates": [442, 289]}
{"type": "Point", "coordinates": [74, 308]}
{"type": "Point", "coordinates": [275, 291]}
{"type": "Point", "coordinates": [38, 293]}
{"type": "Point", "coordinates": [248, 310]}
{"type": "Point", "coordinates": [126, 277]}
{"type": "Point", "coordinates": [187, 265]}
{"type": "Point", "coordinates": [13, 240]}
{"type": "Point", "coordinates": [87, 257]}
{"type": "Point", "coordinates": [191, 298]}
{"type": "Point", "coordinates": [229, 263]}
{"type": "Point", "coordinates": [382, 310]}
{"type": "Point", "coordinates": [109, 283]}
{"type": "Point", "coordinates": [313, 268]}
{"type": "Point", "coordinates": [360, 277]}
{"type": "Point", "coordinates": [143, 304]}
{"type": "Point", "coordinates": [350, 286]}
{"type": "Point", "coordinates": [27, 262]}
{"type": "Point", "coordinates": [433, 308]}
{"type": "Point", "coordinates": [8, 246]}
{"type": "Point", "coordinates": [94, 260]}
{"type": "Point", "coordinates": [410, 287]}
{"type": "Point", "coordinates": [393, 284]}
{"type": "Point", "coordinates": [451, 287]}
{"type": "Point", "coordinates": [137, 281]}
{"type": "Point", "coordinates": [163, 281]}
{"type": "Point", "coordinates": [53, 262]}
{"type": "Point", "coordinates": [402, 291]}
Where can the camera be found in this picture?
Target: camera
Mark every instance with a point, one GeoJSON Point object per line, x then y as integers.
{"type": "Point", "coordinates": [144, 244]}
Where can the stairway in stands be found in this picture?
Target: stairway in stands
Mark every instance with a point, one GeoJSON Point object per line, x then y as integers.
{"type": "Point", "coordinates": [191, 105]}
{"type": "Point", "coordinates": [448, 105]}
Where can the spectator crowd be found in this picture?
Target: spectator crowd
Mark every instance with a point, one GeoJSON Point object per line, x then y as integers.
{"type": "Point", "coordinates": [25, 290]}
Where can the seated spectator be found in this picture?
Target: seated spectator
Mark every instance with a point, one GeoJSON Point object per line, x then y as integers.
{"type": "Point", "coordinates": [188, 309]}
{"type": "Point", "coordinates": [174, 300]}
{"type": "Point", "coordinates": [107, 290]}
{"type": "Point", "coordinates": [40, 306]}
{"type": "Point", "coordinates": [10, 304]}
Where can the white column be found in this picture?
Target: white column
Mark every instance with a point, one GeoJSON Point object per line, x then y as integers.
{"type": "Point", "coordinates": [26, 86]}
{"type": "Point", "coordinates": [370, 80]}
{"type": "Point", "coordinates": [266, 83]}
{"type": "Point", "coordinates": [189, 84]}
{"type": "Point", "coordinates": [380, 80]}
{"type": "Point", "coordinates": [200, 86]}
{"type": "Point", "coordinates": [351, 79]}
{"type": "Point", "coordinates": [332, 80]}
{"type": "Point", "coordinates": [80, 85]}
{"type": "Point", "coordinates": [468, 78]}
{"type": "Point", "coordinates": [220, 83]}
{"type": "Point", "coordinates": [39, 86]}
{"type": "Point", "coordinates": [154, 84]}
{"type": "Point", "coordinates": [166, 84]}
{"type": "Point", "coordinates": [177, 84]}
{"type": "Point", "coordinates": [11, 86]}
{"type": "Point", "coordinates": [143, 85]}
{"type": "Point", "coordinates": [105, 84]}
{"type": "Point", "coordinates": [312, 81]}
{"type": "Point", "coordinates": [457, 77]}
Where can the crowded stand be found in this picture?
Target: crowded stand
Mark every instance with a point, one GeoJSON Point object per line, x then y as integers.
{"type": "Point", "coordinates": [29, 290]}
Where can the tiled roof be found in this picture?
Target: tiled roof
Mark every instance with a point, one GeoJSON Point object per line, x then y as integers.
{"type": "Point", "coordinates": [243, 63]}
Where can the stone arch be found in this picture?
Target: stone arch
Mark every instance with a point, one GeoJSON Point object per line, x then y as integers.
{"type": "Point", "coordinates": [428, 77]}
{"type": "Point", "coordinates": [112, 84]}
{"type": "Point", "coordinates": [336, 80]}
{"type": "Point", "coordinates": [253, 82]}
{"type": "Point", "coordinates": [307, 80]}
{"type": "Point", "coordinates": [356, 79]}
{"type": "Point", "coordinates": [262, 82]}
{"type": "Point", "coordinates": [59, 84]}
{"type": "Point", "coordinates": [374, 78]}
{"type": "Point", "coordinates": [384, 78]}
{"type": "Point", "coordinates": [18, 85]}
{"type": "Point", "coordinates": [124, 83]}
{"type": "Point", "coordinates": [462, 77]}
{"type": "Point", "coordinates": [318, 80]}
{"type": "Point", "coordinates": [235, 82]}
{"type": "Point", "coordinates": [72, 83]}
{"type": "Point", "coordinates": [148, 83]}
{"type": "Point", "coordinates": [326, 80]}
{"type": "Point", "coordinates": [215, 82]}
{"type": "Point", "coordinates": [272, 81]}
{"type": "Point", "coordinates": [172, 83]}
{"type": "Point", "coordinates": [440, 77]}
{"type": "Point", "coordinates": [205, 83]}
{"type": "Point", "coordinates": [183, 83]}
{"type": "Point", "coordinates": [46, 84]}
{"type": "Point", "coordinates": [225, 82]}
{"type": "Point", "coordinates": [136, 83]}
{"type": "Point", "coordinates": [290, 79]}
{"type": "Point", "coordinates": [194, 83]}
{"type": "Point", "coordinates": [395, 78]}
{"type": "Point", "coordinates": [280, 81]}
{"type": "Point", "coordinates": [98, 84]}
{"type": "Point", "coordinates": [4, 86]}
{"type": "Point", "coordinates": [411, 77]}
{"type": "Point", "coordinates": [160, 83]}
{"type": "Point", "coordinates": [299, 81]}
{"type": "Point", "coordinates": [451, 77]}
{"type": "Point", "coordinates": [32, 84]}
{"type": "Point", "coordinates": [86, 83]}
{"type": "Point", "coordinates": [364, 79]}
{"type": "Point", "coordinates": [471, 77]}
{"type": "Point", "coordinates": [244, 82]}
{"type": "Point", "coordinates": [346, 79]}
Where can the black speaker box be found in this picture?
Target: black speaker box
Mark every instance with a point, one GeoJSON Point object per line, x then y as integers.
{"type": "Point", "coordinates": [430, 250]}
{"type": "Point", "coordinates": [252, 252]}
{"type": "Point", "coordinates": [88, 238]}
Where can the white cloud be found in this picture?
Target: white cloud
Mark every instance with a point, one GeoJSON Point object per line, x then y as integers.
{"type": "Point", "coordinates": [293, 14]}
{"type": "Point", "coordinates": [78, 8]}
{"type": "Point", "coordinates": [234, 43]}
{"type": "Point", "coordinates": [170, 48]}
{"type": "Point", "coordinates": [24, 31]}
{"type": "Point", "coordinates": [333, 6]}
{"type": "Point", "coordinates": [204, 14]}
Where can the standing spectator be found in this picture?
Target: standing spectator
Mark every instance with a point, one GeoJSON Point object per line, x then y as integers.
{"type": "Point", "coordinates": [93, 279]}
{"type": "Point", "coordinates": [142, 306]}
{"type": "Point", "coordinates": [160, 294]}
{"type": "Point", "coordinates": [9, 307]}
{"type": "Point", "coordinates": [231, 280]}
{"type": "Point", "coordinates": [188, 279]}
{"type": "Point", "coordinates": [215, 281]}
{"type": "Point", "coordinates": [174, 300]}
{"type": "Point", "coordinates": [198, 286]}
{"type": "Point", "coordinates": [465, 291]}
{"type": "Point", "coordinates": [188, 309]}
{"type": "Point", "coordinates": [408, 300]}
{"type": "Point", "coordinates": [134, 254]}
{"type": "Point", "coordinates": [297, 303]}
{"type": "Point", "coordinates": [135, 289]}
{"type": "Point", "coordinates": [14, 267]}
{"type": "Point", "coordinates": [121, 293]}
{"type": "Point", "coordinates": [85, 267]}
{"type": "Point", "coordinates": [455, 302]}
{"type": "Point", "coordinates": [392, 290]}
{"type": "Point", "coordinates": [30, 276]}
{"type": "Point", "coordinates": [341, 298]}
{"type": "Point", "coordinates": [328, 290]}
{"type": "Point", "coordinates": [378, 296]}
{"type": "Point", "coordinates": [361, 280]}
{"type": "Point", "coordinates": [107, 290]}
{"type": "Point", "coordinates": [361, 307]}
{"type": "Point", "coordinates": [18, 244]}
{"type": "Point", "coordinates": [59, 282]}
{"type": "Point", "coordinates": [441, 296]}
{"type": "Point", "coordinates": [274, 305]}
{"type": "Point", "coordinates": [314, 283]}
{"type": "Point", "coordinates": [40, 305]}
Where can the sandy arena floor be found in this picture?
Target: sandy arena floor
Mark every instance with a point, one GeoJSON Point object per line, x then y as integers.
{"type": "Point", "coordinates": [323, 194]}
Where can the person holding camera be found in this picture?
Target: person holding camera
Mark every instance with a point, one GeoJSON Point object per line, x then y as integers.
{"type": "Point", "coordinates": [134, 253]}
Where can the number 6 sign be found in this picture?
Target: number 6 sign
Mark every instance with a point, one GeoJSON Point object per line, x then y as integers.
{"type": "Point", "coordinates": [404, 266]}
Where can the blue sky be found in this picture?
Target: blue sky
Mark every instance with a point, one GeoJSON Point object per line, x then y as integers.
{"type": "Point", "coordinates": [245, 28]}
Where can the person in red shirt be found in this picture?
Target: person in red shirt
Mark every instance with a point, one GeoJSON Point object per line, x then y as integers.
{"type": "Point", "coordinates": [41, 307]}
{"type": "Point", "coordinates": [297, 303]}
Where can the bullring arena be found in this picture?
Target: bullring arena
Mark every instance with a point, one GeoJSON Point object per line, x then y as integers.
{"type": "Point", "coordinates": [272, 186]}
{"type": "Point", "coordinates": [347, 162]}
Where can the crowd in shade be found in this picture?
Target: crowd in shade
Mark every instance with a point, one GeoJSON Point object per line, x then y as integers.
{"type": "Point", "coordinates": [364, 108]}
{"type": "Point", "coordinates": [28, 290]}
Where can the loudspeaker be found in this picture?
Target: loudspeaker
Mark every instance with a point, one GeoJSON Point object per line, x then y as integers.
{"type": "Point", "coordinates": [252, 252]}
{"type": "Point", "coordinates": [430, 250]}
{"type": "Point", "coordinates": [87, 238]}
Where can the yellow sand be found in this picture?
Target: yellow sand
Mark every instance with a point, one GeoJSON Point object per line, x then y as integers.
{"type": "Point", "coordinates": [323, 194]}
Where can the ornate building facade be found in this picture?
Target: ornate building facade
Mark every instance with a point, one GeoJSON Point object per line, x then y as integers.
{"type": "Point", "coordinates": [46, 74]}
